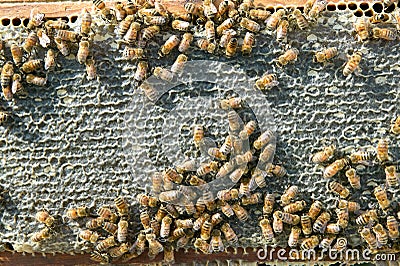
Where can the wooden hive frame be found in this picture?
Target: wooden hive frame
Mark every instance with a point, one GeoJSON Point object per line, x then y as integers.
{"type": "Point", "coordinates": [20, 11]}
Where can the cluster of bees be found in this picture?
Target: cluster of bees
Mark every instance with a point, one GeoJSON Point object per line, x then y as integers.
{"type": "Point", "coordinates": [375, 234]}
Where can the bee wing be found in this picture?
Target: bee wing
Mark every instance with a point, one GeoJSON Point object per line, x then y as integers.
{"type": "Point", "coordinates": [36, 16]}
{"type": "Point", "coordinates": [44, 40]}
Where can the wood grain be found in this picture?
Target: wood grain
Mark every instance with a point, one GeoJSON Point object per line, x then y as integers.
{"type": "Point", "coordinates": [54, 9]}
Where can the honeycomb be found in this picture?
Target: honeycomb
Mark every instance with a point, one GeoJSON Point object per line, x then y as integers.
{"type": "Point", "coordinates": [79, 142]}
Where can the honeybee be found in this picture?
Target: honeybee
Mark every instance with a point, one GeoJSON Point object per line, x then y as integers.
{"type": "Point", "coordinates": [259, 14]}
{"type": "Point", "coordinates": [67, 35]}
{"type": "Point", "coordinates": [339, 189]}
{"type": "Point", "coordinates": [388, 3]}
{"type": "Point", "coordinates": [335, 167]}
{"type": "Point", "coordinates": [302, 22]}
{"type": "Point", "coordinates": [122, 231]}
{"type": "Point", "coordinates": [229, 234]}
{"type": "Point", "coordinates": [187, 38]}
{"type": "Point", "coordinates": [367, 235]}
{"type": "Point", "coordinates": [381, 235]}
{"type": "Point", "coordinates": [223, 8]}
{"type": "Point", "coordinates": [360, 156]}
{"type": "Point", "coordinates": [149, 32]}
{"type": "Point", "coordinates": [324, 56]}
{"type": "Point", "coordinates": [62, 46]}
{"type": "Point", "coordinates": [315, 209]}
{"type": "Point", "coordinates": [263, 139]}
{"type": "Point", "coordinates": [353, 178]}
{"type": "Point", "coordinates": [352, 63]}
{"type": "Point", "coordinates": [381, 197]}
{"type": "Point", "coordinates": [362, 28]}
{"type": "Point", "coordinates": [289, 56]}
{"type": "Point", "coordinates": [225, 169]}
{"type": "Point", "coordinates": [289, 194]}
{"type": "Point", "coordinates": [294, 236]}
{"type": "Point", "coordinates": [207, 168]}
{"type": "Point", "coordinates": [141, 70]}
{"type": "Point", "coordinates": [45, 218]}
{"type": "Point", "coordinates": [306, 226]}
{"type": "Point", "coordinates": [165, 227]}
{"type": "Point", "coordinates": [379, 18]}
{"type": "Point", "coordinates": [146, 200]}
{"type": "Point", "coordinates": [184, 240]}
{"type": "Point", "coordinates": [231, 47]}
{"type": "Point", "coordinates": [392, 178]}
{"type": "Point", "coordinates": [78, 212]}
{"type": "Point", "coordinates": [382, 150]}
{"type": "Point", "coordinates": [215, 152]}
{"type": "Point", "coordinates": [130, 53]}
{"type": "Point", "coordinates": [206, 228]}
{"type": "Point", "coordinates": [133, 31]}
{"type": "Point", "coordinates": [248, 129]}
{"type": "Point", "coordinates": [266, 230]}
{"type": "Point", "coordinates": [86, 22]}
{"type": "Point", "coordinates": [106, 244]}
{"type": "Point", "coordinates": [353, 206]}
{"type": "Point", "coordinates": [31, 65]}
{"type": "Point", "coordinates": [203, 246]}
{"type": "Point", "coordinates": [295, 206]}
{"type": "Point", "coordinates": [160, 214]}
{"type": "Point", "coordinates": [124, 25]}
{"type": "Point", "coordinates": [226, 209]}
{"type": "Point", "coordinates": [90, 69]}
{"type": "Point", "coordinates": [288, 218]}
{"type": "Point", "coordinates": [179, 64]}
{"type": "Point", "coordinates": [269, 202]}
{"type": "Point", "coordinates": [95, 223]}
{"type": "Point", "coordinates": [16, 53]}
{"type": "Point", "coordinates": [198, 134]}
{"type": "Point", "coordinates": [41, 235]}
{"type": "Point", "coordinates": [327, 241]}
{"type": "Point", "coordinates": [117, 252]}
{"type": "Point", "coordinates": [281, 31]}
{"type": "Point", "coordinates": [35, 19]}
{"type": "Point", "coordinates": [56, 24]}
{"type": "Point", "coordinates": [310, 243]}
{"type": "Point", "coordinates": [16, 87]}
{"type": "Point", "coordinates": [155, 20]}
{"type": "Point", "coordinates": [145, 219]}
{"type": "Point", "coordinates": [317, 8]}
{"type": "Point", "coordinates": [228, 194]}
{"type": "Point", "coordinates": [120, 12]}
{"type": "Point", "coordinates": [122, 206]}
{"type": "Point", "coordinates": [210, 31]}
{"type": "Point", "coordinates": [50, 59]}
{"type": "Point", "coordinates": [216, 241]}
{"type": "Point", "coordinates": [3, 117]}
{"type": "Point", "coordinates": [6, 76]}
{"type": "Point", "coordinates": [250, 25]}
{"type": "Point", "coordinates": [140, 244]}
{"type": "Point", "coordinates": [99, 257]}
{"type": "Point", "coordinates": [245, 6]}
{"type": "Point", "coordinates": [172, 175]}
{"type": "Point", "coordinates": [160, 8]}
{"type": "Point", "coordinates": [395, 127]}
{"type": "Point", "coordinates": [343, 215]}
{"type": "Point", "coordinates": [367, 217]}
{"type": "Point", "coordinates": [88, 235]}
{"type": "Point", "coordinates": [267, 81]}
{"type": "Point", "coordinates": [106, 13]}
{"type": "Point", "coordinates": [191, 8]}
{"type": "Point", "coordinates": [273, 21]}
{"type": "Point", "coordinates": [324, 155]}
{"type": "Point", "coordinates": [240, 212]}
{"type": "Point", "coordinates": [225, 26]}
{"type": "Point", "coordinates": [393, 227]}
{"type": "Point", "coordinates": [277, 223]}
{"type": "Point", "coordinates": [227, 145]}
{"type": "Point", "coordinates": [205, 45]}
{"type": "Point", "coordinates": [107, 214]}
{"type": "Point", "coordinates": [155, 247]}
{"type": "Point", "coordinates": [110, 227]}
{"type": "Point", "coordinates": [163, 73]}
{"type": "Point", "coordinates": [209, 9]}
{"type": "Point", "coordinates": [248, 43]}
{"type": "Point", "coordinates": [198, 223]}
{"type": "Point", "coordinates": [397, 18]}
{"type": "Point", "coordinates": [167, 47]}
{"type": "Point", "coordinates": [251, 199]}
{"type": "Point", "coordinates": [332, 228]}
{"type": "Point", "coordinates": [180, 25]}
